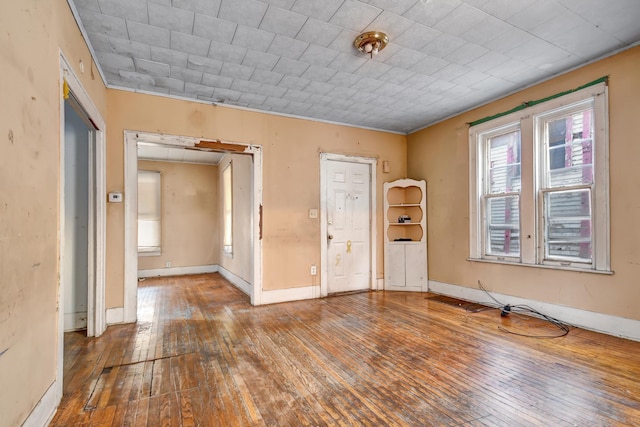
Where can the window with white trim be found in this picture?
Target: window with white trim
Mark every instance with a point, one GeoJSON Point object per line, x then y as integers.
{"type": "Point", "coordinates": [539, 184]}
{"type": "Point", "coordinates": [149, 212]}
{"type": "Point", "coordinates": [227, 207]}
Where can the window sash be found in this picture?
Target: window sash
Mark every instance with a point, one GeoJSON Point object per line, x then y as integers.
{"type": "Point", "coordinates": [501, 226]}
{"type": "Point", "coordinates": [566, 229]}
{"type": "Point", "coordinates": [500, 167]}
{"type": "Point", "coordinates": [567, 240]}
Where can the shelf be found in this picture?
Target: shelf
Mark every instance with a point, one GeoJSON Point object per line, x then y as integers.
{"type": "Point", "coordinates": [406, 231]}
{"type": "Point", "coordinates": [404, 223]}
{"type": "Point", "coordinates": [414, 212]}
{"type": "Point", "coordinates": [405, 205]}
{"type": "Point", "coordinates": [404, 196]}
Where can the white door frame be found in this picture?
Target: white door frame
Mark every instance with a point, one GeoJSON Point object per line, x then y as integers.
{"type": "Point", "coordinates": [96, 320]}
{"type": "Point", "coordinates": [373, 229]}
{"type": "Point", "coordinates": [131, 139]}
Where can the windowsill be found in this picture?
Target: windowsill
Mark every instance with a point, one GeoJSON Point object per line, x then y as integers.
{"type": "Point", "coordinates": [548, 267]}
{"type": "Point", "coordinates": [150, 253]}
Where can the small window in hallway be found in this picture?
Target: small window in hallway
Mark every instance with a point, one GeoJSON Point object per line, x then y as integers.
{"type": "Point", "coordinates": [227, 190]}
{"type": "Point", "coordinates": [149, 212]}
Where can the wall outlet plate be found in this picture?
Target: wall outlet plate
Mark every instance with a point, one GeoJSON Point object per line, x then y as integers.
{"type": "Point", "coordinates": [115, 197]}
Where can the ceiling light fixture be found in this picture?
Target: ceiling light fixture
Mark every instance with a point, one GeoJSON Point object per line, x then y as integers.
{"type": "Point", "coordinates": [371, 42]}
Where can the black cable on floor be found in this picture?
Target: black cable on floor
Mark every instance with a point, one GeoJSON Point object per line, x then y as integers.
{"type": "Point", "coordinates": [506, 309]}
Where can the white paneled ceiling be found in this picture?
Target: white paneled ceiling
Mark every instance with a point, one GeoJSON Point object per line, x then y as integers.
{"type": "Point", "coordinates": [297, 57]}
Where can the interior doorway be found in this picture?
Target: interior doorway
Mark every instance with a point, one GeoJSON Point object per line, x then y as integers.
{"type": "Point", "coordinates": [82, 215]}
{"type": "Point", "coordinates": [348, 252]}
{"type": "Point", "coordinates": [187, 146]}
{"type": "Point", "coordinates": [79, 221]}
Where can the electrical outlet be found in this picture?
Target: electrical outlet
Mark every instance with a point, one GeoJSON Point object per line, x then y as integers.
{"type": "Point", "coordinates": [314, 270]}
{"type": "Point", "coordinates": [168, 264]}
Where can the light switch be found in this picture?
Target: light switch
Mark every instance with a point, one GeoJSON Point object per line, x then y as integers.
{"type": "Point", "coordinates": [313, 213]}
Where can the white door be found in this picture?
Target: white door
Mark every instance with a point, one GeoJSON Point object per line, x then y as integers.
{"type": "Point", "coordinates": [348, 226]}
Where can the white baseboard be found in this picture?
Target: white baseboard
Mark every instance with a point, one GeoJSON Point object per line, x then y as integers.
{"type": "Point", "coordinates": [605, 323]}
{"type": "Point", "coordinates": [178, 271]}
{"type": "Point", "coordinates": [380, 284]}
{"type": "Point", "coordinates": [237, 281]}
{"type": "Point", "coordinates": [291, 294]}
{"type": "Point", "coordinates": [75, 321]}
{"type": "Point", "coordinates": [45, 409]}
{"type": "Point", "coordinates": [115, 315]}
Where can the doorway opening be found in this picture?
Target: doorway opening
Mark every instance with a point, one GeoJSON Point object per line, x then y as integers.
{"type": "Point", "coordinates": [241, 264]}
{"type": "Point", "coordinates": [82, 214]}
{"type": "Point", "coordinates": [78, 258]}
{"type": "Point", "coordinates": [347, 208]}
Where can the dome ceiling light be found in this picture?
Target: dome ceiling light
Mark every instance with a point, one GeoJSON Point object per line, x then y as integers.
{"type": "Point", "coordinates": [371, 42]}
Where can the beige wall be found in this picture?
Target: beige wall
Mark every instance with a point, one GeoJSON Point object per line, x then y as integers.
{"type": "Point", "coordinates": [440, 155]}
{"type": "Point", "coordinates": [33, 33]}
{"type": "Point", "coordinates": [189, 230]}
{"type": "Point", "coordinates": [240, 262]}
{"type": "Point", "coordinates": [291, 174]}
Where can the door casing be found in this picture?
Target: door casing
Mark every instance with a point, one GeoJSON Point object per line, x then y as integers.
{"type": "Point", "coordinates": [372, 162]}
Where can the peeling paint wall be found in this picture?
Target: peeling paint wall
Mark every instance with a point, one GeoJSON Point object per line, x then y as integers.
{"type": "Point", "coordinates": [440, 154]}
{"type": "Point", "coordinates": [189, 199]}
{"type": "Point", "coordinates": [33, 34]}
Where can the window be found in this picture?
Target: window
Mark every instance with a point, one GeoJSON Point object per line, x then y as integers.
{"type": "Point", "coordinates": [567, 182]}
{"type": "Point", "coordinates": [227, 206]}
{"type": "Point", "coordinates": [539, 184]}
{"type": "Point", "coordinates": [149, 212]}
{"type": "Point", "coordinates": [501, 197]}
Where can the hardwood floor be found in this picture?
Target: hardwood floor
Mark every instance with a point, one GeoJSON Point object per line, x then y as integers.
{"type": "Point", "coordinates": [200, 354]}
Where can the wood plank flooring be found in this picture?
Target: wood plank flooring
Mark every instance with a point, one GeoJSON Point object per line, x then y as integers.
{"type": "Point", "coordinates": [201, 355]}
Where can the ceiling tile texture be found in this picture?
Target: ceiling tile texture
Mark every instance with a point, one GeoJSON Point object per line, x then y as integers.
{"type": "Point", "coordinates": [297, 57]}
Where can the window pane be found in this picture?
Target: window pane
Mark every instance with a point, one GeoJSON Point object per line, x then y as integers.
{"type": "Point", "coordinates": [503, 226]}
{"type": "Point", "coordinates": [504, 163]}
{"type": "Point", "coordinates": [570, 150]}
{"type": "Point", "coordinates": [568, 225]}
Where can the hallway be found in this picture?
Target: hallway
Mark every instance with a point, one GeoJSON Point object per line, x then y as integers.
{"type": "Point", "coordinates": [200, 354]}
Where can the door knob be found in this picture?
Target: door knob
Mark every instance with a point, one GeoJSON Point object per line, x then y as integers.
{"type": "Point", "coordinates": [330, 236]}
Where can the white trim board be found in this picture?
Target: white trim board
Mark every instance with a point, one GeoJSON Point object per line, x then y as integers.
{"type": "Point", "coordinates": [45, 409]}
{"type": "Point", "coordinates": [178, 271]}
{"type": "Point", "coordinates": [115, 315]}
{"type": "Point", "coordinates": [290, 294]}
{"type": "Point", "coordinates": [236, 281]}
{"type": "Point", "coordinates": [75, 321]}
{"type": "Point", "coordinates": [605, 323]}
